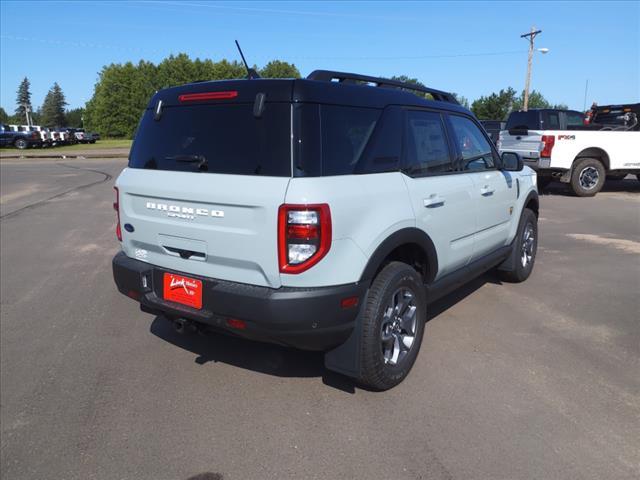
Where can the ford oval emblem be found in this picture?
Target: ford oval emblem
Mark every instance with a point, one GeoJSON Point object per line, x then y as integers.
{"type": "Point", "coordinates": [128, 227]}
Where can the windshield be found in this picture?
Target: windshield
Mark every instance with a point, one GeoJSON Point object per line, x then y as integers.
{"type": "Point", "coordinates": [209, 138]}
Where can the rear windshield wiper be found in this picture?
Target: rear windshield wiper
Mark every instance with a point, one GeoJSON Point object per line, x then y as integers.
{"type": "Point", "coordinates": [201, 160]}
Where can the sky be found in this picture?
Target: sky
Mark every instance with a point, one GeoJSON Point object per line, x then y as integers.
{"type": "Point", "coordinates": [471, 48]}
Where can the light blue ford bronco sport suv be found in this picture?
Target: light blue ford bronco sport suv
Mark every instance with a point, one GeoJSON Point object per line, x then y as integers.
{"type": "Point", "coordinates": [321, 213]}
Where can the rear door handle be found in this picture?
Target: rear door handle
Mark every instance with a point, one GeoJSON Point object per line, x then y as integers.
{"type": "Point", "coordinates": [433, 201]}
{"type": "Point", "coordinates": [487, 191]}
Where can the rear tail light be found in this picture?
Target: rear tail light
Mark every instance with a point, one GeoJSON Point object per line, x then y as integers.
{"type": "Point", "coordinates": [304, 236]}
{"type": "Point", "coordinates": [198, 97]}
{"type": "Point", "coordinates": [116, 207]}
{"type": "Point", "coordinates": [548, 141]}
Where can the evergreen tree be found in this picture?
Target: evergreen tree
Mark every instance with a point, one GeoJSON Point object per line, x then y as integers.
{"type": "Point", "coordinates": [53, 107]}
{"type": "Point", "coordinates": [4, 118]}
{"type": "Point", "coordinates": [23, 98]}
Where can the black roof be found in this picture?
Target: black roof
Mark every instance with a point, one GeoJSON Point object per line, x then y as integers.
{"type": "Point", "coordinates": [312, 91]}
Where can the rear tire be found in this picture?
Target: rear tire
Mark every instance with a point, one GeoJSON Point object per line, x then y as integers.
{"type": "Point", "coordinates": [526, 245]}
{"type": "Point", "coordinates": [393, 321]}
{"type": "Point", "coordinates": [588, 177]}
{"type": "Point", "coordinates": [21, 143]}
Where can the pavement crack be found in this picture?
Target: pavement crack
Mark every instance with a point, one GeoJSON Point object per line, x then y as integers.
{"type": "Point", "coordinates": [106, 178]}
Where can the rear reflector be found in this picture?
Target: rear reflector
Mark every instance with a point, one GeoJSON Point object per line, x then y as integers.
{"type": "Point", "coordinates": [196, 97]}
{"type": "Point", "coordinates": [237, 324]}
{"type": "Point", "coordinates": [349, 302]}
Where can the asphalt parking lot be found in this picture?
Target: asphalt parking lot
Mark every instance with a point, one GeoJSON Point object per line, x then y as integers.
{"type": "Point", "coordinates": [536, 380]}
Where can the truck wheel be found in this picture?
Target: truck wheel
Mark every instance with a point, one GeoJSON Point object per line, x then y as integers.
{"type": "Point", "coordinates": [543, 182]}
{"type": "Point", "coordinates": [526, 245]}
{"type": "Point", "coordinates": [21, 143]}
{"type": "Point", "coordinates": [392, 326]}
{"type": "Point", "coordinates": [588, 177]}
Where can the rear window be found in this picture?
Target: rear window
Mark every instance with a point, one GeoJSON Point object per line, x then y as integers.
{"type": "Point", "coordinates": [523, 120]}
{"type": "Point", "coordinates": [225, 139]}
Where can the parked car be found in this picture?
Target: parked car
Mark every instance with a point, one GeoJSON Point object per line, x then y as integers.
{"type": "Point", "coordinates": [319, 213]}
{"type": "Point", "coordinates": [562, 150]}
{"type": "Point", "coordinates": [80, 135]}
{"type": "Point", "coordinates": [18, 138]}
{"type": "Point", "coordinates": [44, 133]}
{"type": "Point", "coordinates": [493, 128]}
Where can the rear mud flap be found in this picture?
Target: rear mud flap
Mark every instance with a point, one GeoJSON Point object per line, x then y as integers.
{"type": "Point", "coordinates": [345, 358]}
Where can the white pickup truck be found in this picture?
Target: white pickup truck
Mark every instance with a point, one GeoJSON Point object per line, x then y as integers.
{"type": "Point", "coordinates": [558, 146]}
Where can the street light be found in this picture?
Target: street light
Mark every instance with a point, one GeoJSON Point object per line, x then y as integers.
{"type": "Point", "coordinates": [530, 36]}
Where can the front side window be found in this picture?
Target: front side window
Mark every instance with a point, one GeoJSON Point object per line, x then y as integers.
{"type": "Point", "coordinates": [427, 150]}
{"type": "Point", "coordinates": [474, 147]}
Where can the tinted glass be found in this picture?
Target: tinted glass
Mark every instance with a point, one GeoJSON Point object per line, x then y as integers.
{"type": "Point", "coordinates": [473, 145]}
{"type": "Point", "coordinates": [345, 132]}
{"type": "Point", "coordinates": [523, 120]}
{"type": "Point", "coordinates": [553, 121]}
{"type": "Point", "coordinates": [216, 139]}
{"type": "Point", "coordinates": [574, 119]}
{"type": "Point", "coordinates": [427, 150]}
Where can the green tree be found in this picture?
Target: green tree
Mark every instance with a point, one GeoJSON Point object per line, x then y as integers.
{"type": "Point", "coordinates": [4, 118]}
{"type": "Point", "coordinates": [73, 118]}
{"type": "Point", "coordinates": [279, 69]}
{"type": "Point", "coordinates": [23, 100]}
{"type": "Point", "coordinates": [53, 107]}
{"type": "Point", "coordinates": [495, 106]}
{"type": "Point", "coordinates": [536, 100]}
{"type": "Point", "coordinates": [462, 100]}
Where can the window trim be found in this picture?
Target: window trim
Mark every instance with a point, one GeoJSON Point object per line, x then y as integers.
{"type": "Point", "coordinates": [404, 167]}
{"type": "Point", "coordinates": [459, 161]}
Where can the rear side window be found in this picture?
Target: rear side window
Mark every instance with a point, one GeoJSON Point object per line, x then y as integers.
{"type": "Point", "coordinates": [226, 139]}
{"type": "Point", "coordinates": [427, 150]}
{"type": "Point", "coordinates": [553, 121]}
{"type": "Point", "coordinates": [473, 145]}
{"type": "Point", "coordinates": [345, 132]}
{"type": "Point", "coordinates": [523, 120]}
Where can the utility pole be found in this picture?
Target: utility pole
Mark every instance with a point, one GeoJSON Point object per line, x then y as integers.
{"type": "Point", "coordinates": [531, 36]}
{"type": "Point", "coordinates": [26, 112]}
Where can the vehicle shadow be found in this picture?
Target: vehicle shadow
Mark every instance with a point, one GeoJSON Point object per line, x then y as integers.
{"type": "Point", "coordinates": [628, 185]}
{"type": "Point", "coordinates": [214, 347]}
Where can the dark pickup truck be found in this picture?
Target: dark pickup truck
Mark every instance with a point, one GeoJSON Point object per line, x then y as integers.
{"type": "Point", "coordinates": [19, 140]}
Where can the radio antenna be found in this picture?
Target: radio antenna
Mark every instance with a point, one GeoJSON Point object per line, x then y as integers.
{"type": "Point", "coordinates": [251, 73]}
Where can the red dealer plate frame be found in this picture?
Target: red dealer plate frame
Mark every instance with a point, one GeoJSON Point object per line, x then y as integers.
{"type": "Point", "coordinates": [184, 290]}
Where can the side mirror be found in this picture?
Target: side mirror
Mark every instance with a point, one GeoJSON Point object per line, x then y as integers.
{"type": "Point", "coordinates": [512, 162]}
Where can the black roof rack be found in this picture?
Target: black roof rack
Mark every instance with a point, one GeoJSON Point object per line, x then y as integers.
{"type": "Point", "coordinates": [355, 78]}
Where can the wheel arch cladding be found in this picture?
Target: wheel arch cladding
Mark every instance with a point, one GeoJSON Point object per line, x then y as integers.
{"type": "Point", "coordinates": [532, 202]}
{"type": "Point", "coordinates": [408, 245]}
{"type": "Point", "coordinates": [594, 152]}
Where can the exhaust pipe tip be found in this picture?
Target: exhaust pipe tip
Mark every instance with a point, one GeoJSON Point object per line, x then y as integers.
{"type": "Point", "coordinates": [179, 324]}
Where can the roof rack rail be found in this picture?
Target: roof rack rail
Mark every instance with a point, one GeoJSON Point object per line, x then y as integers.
{"type": "Point", "coordinates": [343, 77]}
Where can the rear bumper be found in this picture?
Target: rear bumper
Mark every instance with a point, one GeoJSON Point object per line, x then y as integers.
{"type": "Point", "coordinates": [537, 163]}
{"type": "Point", "coordinates": [305, 318]}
